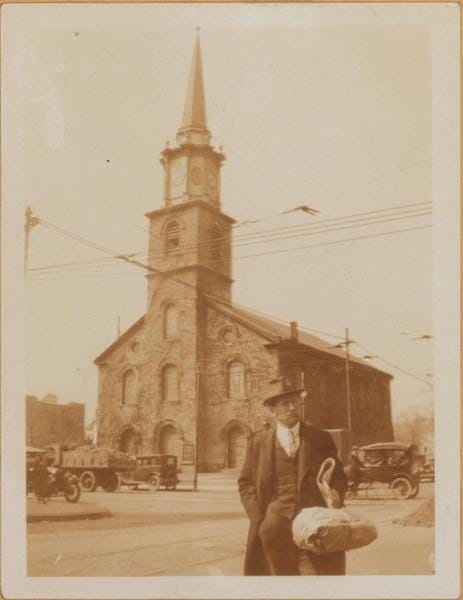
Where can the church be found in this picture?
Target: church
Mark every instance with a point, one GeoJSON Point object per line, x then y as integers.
{"type": "Point", "coordinates": [188, 377]}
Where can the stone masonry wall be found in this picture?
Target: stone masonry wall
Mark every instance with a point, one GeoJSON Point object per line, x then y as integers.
{"type": "Point", "coordinates": [147, 352]}
{"type": "Point", "coordinates": [219, 410]}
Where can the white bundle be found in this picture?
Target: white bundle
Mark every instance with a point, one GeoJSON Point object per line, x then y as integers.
{"type": "Point", "coordinates": [323, 530]}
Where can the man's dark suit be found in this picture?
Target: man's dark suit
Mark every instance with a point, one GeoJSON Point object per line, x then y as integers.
{"type": "Point", "coordinates": [257, 484]}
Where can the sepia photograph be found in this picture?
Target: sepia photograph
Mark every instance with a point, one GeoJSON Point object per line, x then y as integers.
{"type": "Point", "coordinates": [231, 300]}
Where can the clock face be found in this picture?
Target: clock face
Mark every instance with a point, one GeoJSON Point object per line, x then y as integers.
{"type": "Point", "coordinates": [212, 181]}
{"type": "Point", "coordinates": [178, 174]}
{"type": "Point", "coordinates": [196, 175]}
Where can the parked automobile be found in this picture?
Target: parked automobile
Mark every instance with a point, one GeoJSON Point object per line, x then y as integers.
{"type": "Point", "coordinates": [63, 482]}
{"type": "Point", "coordinates": [155, 470]}
{"type": "Point", "coordinates": [398, 465]}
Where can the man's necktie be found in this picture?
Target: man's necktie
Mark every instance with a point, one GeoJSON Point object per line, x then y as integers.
{"type": "Point", "coordinates": [292, 443]}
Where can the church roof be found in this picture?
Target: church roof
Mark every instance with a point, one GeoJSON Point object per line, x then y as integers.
{"type": "Point", "coordinates": [122, 338]}
{"type": "Point", "coordinates": [277, 332]}
{"type": "Point", "coordinates": [274, 331]}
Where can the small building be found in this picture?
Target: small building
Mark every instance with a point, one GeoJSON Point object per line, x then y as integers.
{"type": "Point", "coordinates": [54, 423]}
{"type": "Point", "coordinates": [192, 370]}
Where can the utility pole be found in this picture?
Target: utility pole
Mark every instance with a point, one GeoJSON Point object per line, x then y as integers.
{"type": "Point", "coordinates": [29, 223]}
{"type": "Point", "coordinates": [198, 382]}
{"type": "Point", "coordinates": [349, 415]}
{"type": "Point", "coordinates": [304, 395]}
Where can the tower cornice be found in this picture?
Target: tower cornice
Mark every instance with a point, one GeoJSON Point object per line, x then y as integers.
{"type": "Point", "coordinates": [189, 149]}
{"type": "Point", "coordinates": [177, 208]}
{"type": "Point", "coordinates": [168, 273]}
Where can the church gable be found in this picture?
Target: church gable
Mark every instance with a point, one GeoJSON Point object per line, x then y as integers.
{"type": "Point", "coordinates": [236, 360]}
{"type": "Point", "coordinates": [119, 346]}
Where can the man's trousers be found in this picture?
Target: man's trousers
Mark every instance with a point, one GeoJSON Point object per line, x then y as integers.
{"type": "Point", "coordinates": [285, 558]}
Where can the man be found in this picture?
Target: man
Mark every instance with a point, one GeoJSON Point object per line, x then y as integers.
{"type": "Point", "coordinates": [354, 469]}
{"type": "Point", "coordinates": [278, 479]}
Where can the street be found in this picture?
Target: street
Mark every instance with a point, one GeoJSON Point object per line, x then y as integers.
{"type": "Point", "coordinates": [204, 533]}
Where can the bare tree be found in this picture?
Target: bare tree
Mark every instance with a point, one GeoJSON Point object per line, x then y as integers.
{"type": "Point", "coordinates": [415, 426]}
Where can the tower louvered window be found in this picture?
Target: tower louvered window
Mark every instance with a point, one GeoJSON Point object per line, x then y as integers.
{"type": "Point", "coordinates": [172, 236]}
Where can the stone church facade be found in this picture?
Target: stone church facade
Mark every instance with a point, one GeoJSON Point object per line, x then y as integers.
{"type": "Point", "coordinates": [190, 374]}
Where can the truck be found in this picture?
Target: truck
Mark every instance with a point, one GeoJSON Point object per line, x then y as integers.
{"type": "Point", "coordinates": [95, 466]}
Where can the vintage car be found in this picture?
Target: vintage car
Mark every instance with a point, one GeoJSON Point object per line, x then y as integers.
{"type": "Point", "coordinates": [155, 470]}
{"type": "Point", "coordinates": [395, 464]}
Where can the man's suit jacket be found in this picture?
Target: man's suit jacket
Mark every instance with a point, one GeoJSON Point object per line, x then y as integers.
{"type": "Point", "coordinates": [257, 483]}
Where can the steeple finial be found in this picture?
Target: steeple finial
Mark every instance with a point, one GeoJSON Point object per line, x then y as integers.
{"type": "Point", "coordinates": [194, 115]}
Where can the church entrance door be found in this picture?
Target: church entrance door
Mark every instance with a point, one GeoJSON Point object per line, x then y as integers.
{"type": "Point", "coordinates": [170, 442]}
{"type": "Point", "coordinates": [236, 449]}
{"type": "Point", "coordinates": [129, 442]}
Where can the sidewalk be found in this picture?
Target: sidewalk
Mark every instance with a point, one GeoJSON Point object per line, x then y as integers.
{"type": "Point", "coordinates": [58, 509]}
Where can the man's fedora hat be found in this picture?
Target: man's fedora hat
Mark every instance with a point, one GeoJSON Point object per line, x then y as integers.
{"type": "Point", "coordinates": [279, 388]}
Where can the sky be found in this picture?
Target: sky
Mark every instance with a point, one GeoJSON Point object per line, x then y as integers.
{"type": "Point", "coordinates": [310, 108]}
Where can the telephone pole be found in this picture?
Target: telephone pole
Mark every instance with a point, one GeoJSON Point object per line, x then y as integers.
{"type": "Point", "coordinates": [304, 395]}
{"type": "Point", "coordinates": [345, 344]}
{"type": "Point", "coordinates": [29, 223]}
{"type": "Point", "coordinates": [198, 382]}
{"type": "Point", "coordinates": [348, 403]}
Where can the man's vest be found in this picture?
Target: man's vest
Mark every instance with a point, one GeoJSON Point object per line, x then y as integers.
{"type": "Point", "coordinates": [284, 500]}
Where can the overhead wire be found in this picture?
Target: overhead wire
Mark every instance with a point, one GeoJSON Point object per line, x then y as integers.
{"type": "Point", "coordinates": [390, 364]}
{"type": "Point", "coordinates": [403, 210]}
{"type": "Point", "coordinates": [101, 248]}
{"type": "Point", "coordinates": [352, 221]}
{"type": "Point", "coordinates": [314, 230]}
{"type": "Point", "coordinates": [333, 243]}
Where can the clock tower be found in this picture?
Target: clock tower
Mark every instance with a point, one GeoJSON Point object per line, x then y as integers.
{"type": "Point", "coordinates": [190, 237]}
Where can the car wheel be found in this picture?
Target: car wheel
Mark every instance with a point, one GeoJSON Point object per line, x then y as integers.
{"type": "Point", "coordinates": [154, 482]}
{"type": "Point", "coordinates": [415, 491]}
{"type": "Point", "coordinates": [402, 488]}
{"type": "Point", "coordinates": [88, 481]}
{"type": "Point", "coordinates": [171, 481]}
{"type": "Point", "coordinates": [112, 482]}
{"type": "Point", "coordinates": [72, 491]}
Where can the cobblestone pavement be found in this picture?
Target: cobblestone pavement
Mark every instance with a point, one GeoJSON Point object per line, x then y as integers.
{"type": "Point", "coordinates": [202, 533]}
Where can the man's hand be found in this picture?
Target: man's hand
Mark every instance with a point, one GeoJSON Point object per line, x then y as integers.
{"type": "Point", "coordinates": [331, 497]}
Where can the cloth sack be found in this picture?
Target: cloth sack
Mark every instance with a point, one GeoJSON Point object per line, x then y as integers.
{"type": "Point", "coordinates": [323, 530]}
{"type": "Point", "coordinates": [330, 529]}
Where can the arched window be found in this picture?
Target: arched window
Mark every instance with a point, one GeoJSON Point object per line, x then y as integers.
{"type": "Point", "coordinates": [129, 387]}
{"type": "Point", "coordinates": [172, 236]}
{"type": "Point", "coordinates": [236, 379]}
{"type": "Point", "coordinates": [171, 321]}
{"type": "Point", "coordinates": [169, 382]}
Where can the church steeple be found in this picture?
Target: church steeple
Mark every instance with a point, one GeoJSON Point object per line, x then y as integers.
{"type": "Point", "coordinates": [190, 235]}
{"type": "Point", "coordinates": [192, 166]}
{"type": "Point", "coordinates": [194, 128]}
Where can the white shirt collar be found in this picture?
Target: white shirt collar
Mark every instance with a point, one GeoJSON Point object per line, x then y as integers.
{"type": "Point", "coordinates": [282, 429]}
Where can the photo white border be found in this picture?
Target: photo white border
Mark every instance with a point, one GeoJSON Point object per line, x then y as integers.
{"type": "Point", "coordinates": [444, 25]}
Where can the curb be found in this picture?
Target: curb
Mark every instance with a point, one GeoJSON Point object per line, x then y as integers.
{"type": "Point", "coordinates": [78, 515]}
